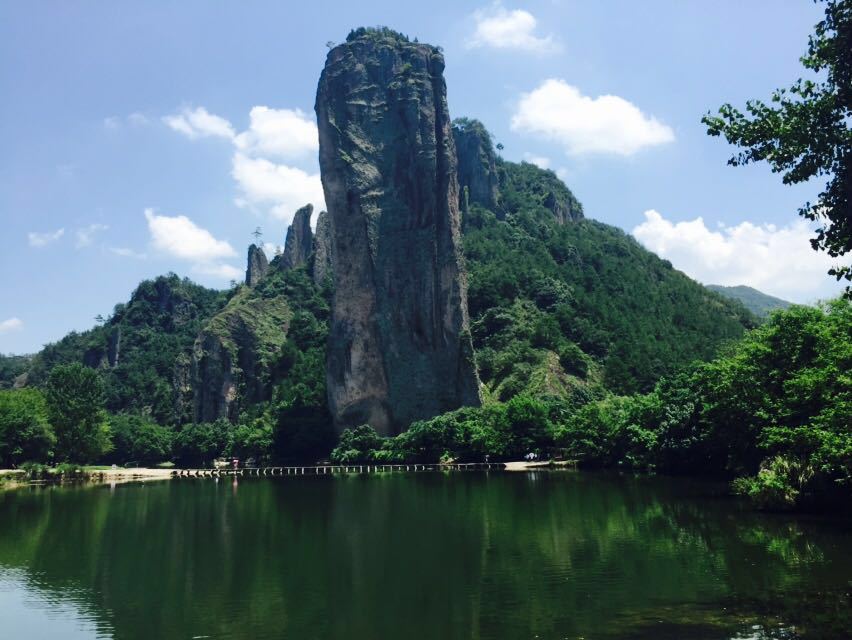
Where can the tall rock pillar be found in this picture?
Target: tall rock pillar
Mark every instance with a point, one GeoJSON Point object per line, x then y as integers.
{"type": "Point", "coordinates": [399, 345]}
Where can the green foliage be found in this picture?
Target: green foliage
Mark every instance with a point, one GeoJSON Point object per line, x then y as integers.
{"type": "Point", "coordinates": [12, 366]}
{"type": "Point", "coordinates": [536, 286]}
{"type": "Point", "coordinates": [138, 346]}
{"type": "Point", "coordinates": [358, 444]}
{"type": "Point", "coordinates": [25, 434]}
{"type": "Point", "coordinates": [376, 33]}
{"type": "Point", "coordinates": [775, 410]}
{"type": "Point", "coordinates": [526, 186]}
{"type": "Point", "coordinates": [251, 438]}
{"type": "Point", "coordinates": [805, 132]}
{"type": "Point", "coordinates": [75, 407]}
{"type": "Point", "coordinates": [196, 445]}
{"type": "Point", "coordinates": [139, 439]}
{"type": "Point", "coordinates": [759, 303]}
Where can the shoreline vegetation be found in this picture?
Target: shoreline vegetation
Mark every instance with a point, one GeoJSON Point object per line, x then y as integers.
{"type": "Point", "coordinates": [41, 475]}
{"type": "Point", "coordinates": [770, 414]}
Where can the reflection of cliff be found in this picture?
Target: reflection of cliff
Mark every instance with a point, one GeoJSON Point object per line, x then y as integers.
{"type": "Point", "coordinates": [454, 556]}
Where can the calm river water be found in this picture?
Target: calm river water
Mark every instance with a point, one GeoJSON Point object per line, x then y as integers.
{"type": "Point", "coordinates": [411, 556]}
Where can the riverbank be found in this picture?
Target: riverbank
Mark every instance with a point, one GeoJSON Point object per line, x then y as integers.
{"type": "Point", "coordinates": [11, 478]}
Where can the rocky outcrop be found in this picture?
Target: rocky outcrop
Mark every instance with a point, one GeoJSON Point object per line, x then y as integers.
{"type": "Point", "coordinates": [399, 348]}
{"type": "Point", "coordinates": [299, 241]}
{"type": "Point", "coordinates": [233, 357]}
{"type": "Point", "coordinates": [564, 208]}
{"type": "Point", "coordinates": [477, 167]}
{"type": "Point", "coordinates": [321, 266]}
{"type": "Point", "coordinates": [257, 265]}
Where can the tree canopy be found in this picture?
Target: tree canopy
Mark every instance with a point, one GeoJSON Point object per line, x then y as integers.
{"type": "Point", "coordinates": [806, 132]}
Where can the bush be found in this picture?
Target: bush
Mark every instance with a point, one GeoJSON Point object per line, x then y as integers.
{"type": "Point", "coordinates": [139, 439]}
{"type": "Point", "coordinates": [25, 433]}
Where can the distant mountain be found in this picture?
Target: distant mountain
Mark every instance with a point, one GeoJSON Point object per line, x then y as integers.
{"type": "Point", "coordinates": [759, 303]}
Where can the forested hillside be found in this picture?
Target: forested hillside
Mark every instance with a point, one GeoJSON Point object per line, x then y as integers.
{"type": "Point", "coordinates": [560, 306]}
{"type": "Point", "coordinates": [759, 303]}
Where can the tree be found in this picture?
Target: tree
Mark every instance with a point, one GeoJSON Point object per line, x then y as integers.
{"type": "Point", "coordinates": [806, 133]}
{"type": "Point", "coordinates": [139, 439]}
{"type": "Point", "coordinates": [75, 407]}
{"type": "Point", "coordinates": [25, 434]}
{"type": "Point", "coordinates": [257, 233]}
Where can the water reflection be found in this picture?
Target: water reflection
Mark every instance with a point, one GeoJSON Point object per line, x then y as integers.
{"type": "Point", "coordinates": [425, 556]}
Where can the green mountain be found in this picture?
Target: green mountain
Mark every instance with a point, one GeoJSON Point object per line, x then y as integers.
{"type": "Point", "coordinates": [559, 304]}
{"type": "Point", "coordinates": [759, 303]}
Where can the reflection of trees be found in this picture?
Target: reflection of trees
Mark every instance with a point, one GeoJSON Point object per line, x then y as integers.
{"type": "Point", "coordinates": [456, 556]}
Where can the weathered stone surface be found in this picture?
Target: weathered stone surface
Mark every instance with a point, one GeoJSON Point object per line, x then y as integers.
{"type": "Point", "coordinates": [257, 265]}
{"type": "Point", "coordinates": [399, 347]}
{"type": "Point", "coordinates": [477, 168]}
{"type": "Point", "coordinates": [322, 265]}
{"type": "Point", "coordinates": [233, 356]}
{"type": "Point", "coordinates": [299, 242]}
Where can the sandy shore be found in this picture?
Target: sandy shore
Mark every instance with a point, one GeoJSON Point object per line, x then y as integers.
{"type": "Point", "coordinates": [547, 464]}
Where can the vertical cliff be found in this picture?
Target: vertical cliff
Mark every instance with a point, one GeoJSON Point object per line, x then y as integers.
{"type": "Point", "coordinates": [477, 167]}
{"type": "Point", "coordinates": [299, 241]}
{"type": "Point", "coordinates": [257, 265]}
{"type": "Point", "coordinates": [399, 347]}
{"type": "Point", "coordinates": [321, 266]}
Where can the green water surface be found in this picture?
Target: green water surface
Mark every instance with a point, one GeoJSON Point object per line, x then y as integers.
{"type": "Point", "coordinates": [427, 555]}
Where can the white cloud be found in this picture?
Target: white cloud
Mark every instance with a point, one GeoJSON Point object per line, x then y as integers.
{"type": "Point", "coordinates": [539, 161]}
{"type": "Point", "coordinates": [199, 123]}
{"type": "Point", "coordinates": [272, 249]}
{"type": "Point", "coordinates": [775, 260]}
{"type": "Point", "coordinates": [273, 134]}
{"type": "Point", "coordinates": [221, 271]}
{"type": "Point", "coordinates": [500, 28]}
{"type": "Point", "coordinates": [37, 239]}
{"type": "Point", "coordinates": [126, 252]}
{"type": "Point", "coordinates": [11, 324]}
{"type": "Point", "coordinates": [137, 119]}
{"type": "Point", "coordinates": [282, 187]}
{"type": "Point", "coordinates": [180, 237]}
{"type": "Point", "coordinates": [86, 235]}
{"type": "Point", "coordinates": [284, 133]}
{"type": "Point", "coordinates": [606, 124]}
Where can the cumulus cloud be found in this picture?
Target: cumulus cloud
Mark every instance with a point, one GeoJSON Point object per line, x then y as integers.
{"type": "Point", "coordinates": [283, 133]}
{"type": "Point", "coordinates": [126, 252]}
{"type": "Point", "coordinates": [220, 271]}
{"type": "Point", "coordinates": [273, 135]}
{"type": "Point", "coordinates": [272, 249]}
{"type": "Point", "coordinates": [135, 119]}
{"type": "Point", "coordinates": [180, 237]}
{"type": "Point", "coordinates": [606, 124]}
{"type": "Point", "coordinates": [86, 235]}
{"type": "Point", "coordinates": [11, 324]}
{"type": "Point", "coordinates": [500, 28]}
{"type": "Point", "coordinates": [776, 260]}
{"type": "Point", "coordinates": [282, 187]}
{"type": "Point", "coordinates": [39, 240]}
{"type": "Point", "coordinates": [199, 123]}
{"type": "Point", "coordinates": [539, 161]}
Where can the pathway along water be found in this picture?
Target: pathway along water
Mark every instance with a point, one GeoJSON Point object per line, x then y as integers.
{"type": "Point", "coordinates": [484, 554]}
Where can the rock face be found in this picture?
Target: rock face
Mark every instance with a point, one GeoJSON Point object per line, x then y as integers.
{"type": "Point", "coordinates": [322, 265]}
{"type": "Point", "coordinates": [299, 242]}
{"type": "Point", "coordinates": [477, 167]}
{"type": "Point", "coordinates": [257, 265]}
{"type": "Point", "coordinates": [233, 357]}
{"type": "Point", "coordinates": [399, 346]}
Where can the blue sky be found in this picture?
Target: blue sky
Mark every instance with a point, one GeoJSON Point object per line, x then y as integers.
{"type": "Point", "coordinates": [152, 137]}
